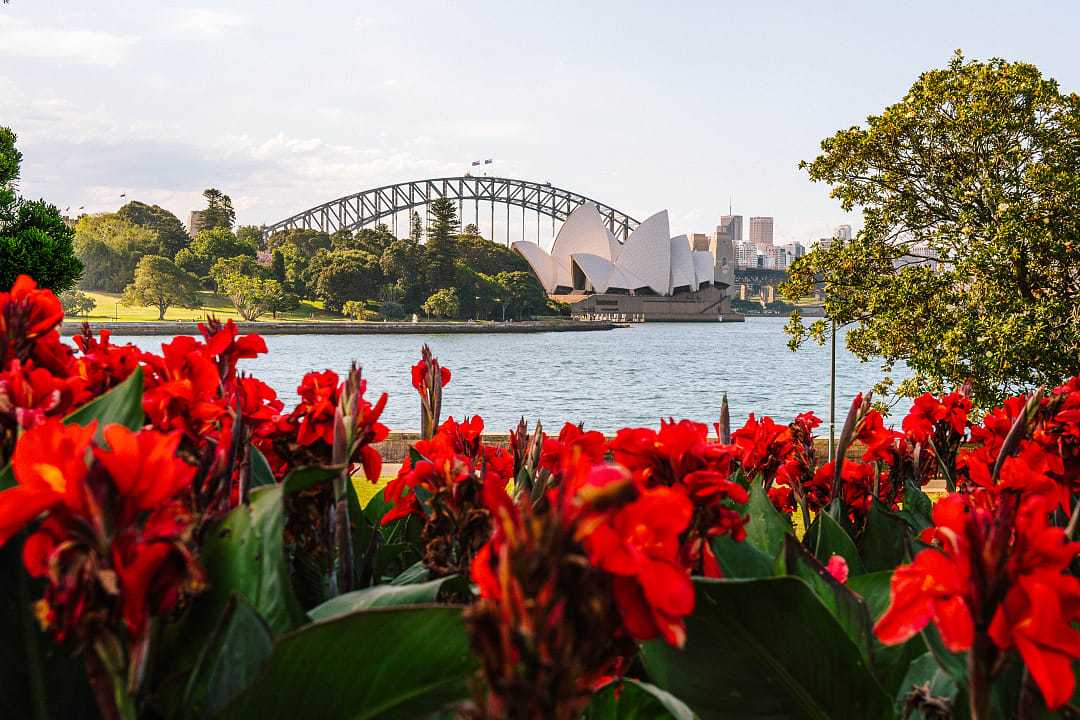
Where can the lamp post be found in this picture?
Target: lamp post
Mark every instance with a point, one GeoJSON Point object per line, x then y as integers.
{"type": "Point", "coordinates": [832, 393]}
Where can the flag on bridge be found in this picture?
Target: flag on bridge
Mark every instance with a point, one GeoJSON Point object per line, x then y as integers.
{"type": "Point", "coordinates": [475, 163]}
{"type": "Point", "coordinates": [488, 162]}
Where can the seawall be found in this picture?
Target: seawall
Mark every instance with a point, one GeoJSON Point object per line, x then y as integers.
{"type": "Point", "coordinates": [70, 327]}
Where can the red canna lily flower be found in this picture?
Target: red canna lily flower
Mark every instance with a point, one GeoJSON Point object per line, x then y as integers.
{"type": "Point", "coordinates": [49, 465]}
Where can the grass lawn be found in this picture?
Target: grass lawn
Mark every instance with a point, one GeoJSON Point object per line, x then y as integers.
{"type": "Point", "coordinates": [109, 308]}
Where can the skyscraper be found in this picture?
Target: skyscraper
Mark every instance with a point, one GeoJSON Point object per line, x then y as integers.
{"type": "Point", "coordinates": [761, 231]}
{"type": "Point", "coordinates": [843, 232]}
{"type": "Point", "coordinates": [730, 228]}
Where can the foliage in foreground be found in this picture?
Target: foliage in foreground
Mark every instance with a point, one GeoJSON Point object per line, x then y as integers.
{"type": "Point", "coordinates": [968, 267]}
{"type": "Point", "coordinates": [175, 544]}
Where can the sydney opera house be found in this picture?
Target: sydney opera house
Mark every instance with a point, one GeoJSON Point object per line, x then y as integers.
{"type": "Point", "coordinates": [650, 277]}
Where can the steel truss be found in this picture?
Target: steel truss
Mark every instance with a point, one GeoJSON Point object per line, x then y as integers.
{"type": "Point", "coordinates": [371, 206]}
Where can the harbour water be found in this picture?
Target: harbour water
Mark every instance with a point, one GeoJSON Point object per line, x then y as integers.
{"type": "Point", "coordinates": [632, 376]}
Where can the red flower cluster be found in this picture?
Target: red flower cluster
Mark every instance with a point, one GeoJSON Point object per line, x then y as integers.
{"type": "Point", "coordinates": [116, 542]}
{"type": "Point", "coordinates": [796, 481]}
{"type": "Point", "coordinates": [305, 436]}
{"type": "Point", "coordinates": [681, 457]}
{"type": "Point", "coordinates": [960, 586]}
{"type": "Point", "coordinates": [442, 482]}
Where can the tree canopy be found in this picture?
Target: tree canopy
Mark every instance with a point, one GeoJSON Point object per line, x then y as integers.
{"type": "Point", "coordinates": [219, 211]}
{"type": "Point", "coordinates": [968, 267]}
{"type": "Point", "coordinates": [110, 247]}
{"type": "Point", "coordinates": [172, 237]}
{"type": "Point", "coordinates": [209, 246]}
{"type": "Point", "coordinates": [34, 240]}
{"type": "Point", "coordinates": [160, 283]}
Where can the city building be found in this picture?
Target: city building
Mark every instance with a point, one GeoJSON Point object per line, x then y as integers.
{"type": "Point", "coordinates": [195, 223]}
{"type": "Point", "coordinates": [761, 231]}
{"type": "Point", "coordinates": [652, 276]}
{"type": "Point", "coordinates": [699, 242]}
{"type": "Point", "coordinates": [730, 229]}
{"type": "Point", "coordinates": [794, 250]}
{"type": "Point", "coordinates": [843, 232]}
{"type": "Point", "coordinates": [746, 255]}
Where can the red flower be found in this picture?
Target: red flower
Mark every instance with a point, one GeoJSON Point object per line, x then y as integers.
{"type": "Point", "coordinates": [28, 321]}
{"type": "Point", "coordinates": [762, 447]}
{"type": "Point", "coordinates": [144, 468]}
{"type": "Point", "coordinates": [103, 365]}
{"type": "Point", "coordinates": [640, 547]}
{"type": "Point", "coordinates": [838, 568]}
{"type": "Point", "coordinates": [959, 585]}
{"type": "Point", "coordinates": [31, 393]}
{"type": "Point", "coordinates": [420, 373]}
{"type": "Point", "coordinates": [314, 416]}
{"type": "Point", "coordinates": [49, 465]}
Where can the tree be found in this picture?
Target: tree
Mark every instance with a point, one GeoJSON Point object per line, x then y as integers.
{"type": "Point", "coordinates": [487, 257]}
{"type": "Point", "coordinates": [357, 310]}
{"type": "Point", "coordinates": [171, 235]}
{"type": "Point", "coordinates": [34, 240]}
{"type": "Point", "coordinates": [440, 252]}
{"type": "Point", "coordinates": [76, 303]}
{"type": "Point", "coordinates": [343, 275]}
{"type": "Point", "coordinates": [277, 266]}
{"type": "Point", "coordinates": [209, 246]}
{"type": "Point", "coordinates": [416, 228]}
{"type": "Point", "coordinates": [402, 264]}
{"type": "Point", "coordinates": [250, 235]}
{"type": "Point", "coordinates": [968, 267]}
{"type": "Point", "coordinates": [443, 304]}
{"type": "Point", "coordinates": [160, 283]}
{"type": "Point", "coordinates": [308, 242]}
{"type": "Point", "coordinates": [219, 211]}
{"type": "Point", "coordinates": [252, 297]}
{"type": "Point", "coordinates": [373, 240]}
{"type": "Point", "coordinates": [109, 248]}
{"type": "Point", "coordinates": [224, 268]}
{"type": "Point", "coordinates": [522, 294]}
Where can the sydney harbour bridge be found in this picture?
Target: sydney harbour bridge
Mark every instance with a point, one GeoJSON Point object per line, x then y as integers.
{"type": "Point", "coordinates": [476, 193]}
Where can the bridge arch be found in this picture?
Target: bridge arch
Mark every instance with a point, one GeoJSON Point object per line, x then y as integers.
{"type": "Point", "coordinates": [377, 204]}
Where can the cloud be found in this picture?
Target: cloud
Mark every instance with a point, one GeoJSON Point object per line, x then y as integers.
{"type": "Point", "coordinates": [19, 38]}
{"type": "Point", "coordinates": [208, 21]}
{"type": "Point", "coordinates": [362, 22]}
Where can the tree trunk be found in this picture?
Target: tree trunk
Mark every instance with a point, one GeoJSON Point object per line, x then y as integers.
{"type": "Point", "coordinates": [161, 311]}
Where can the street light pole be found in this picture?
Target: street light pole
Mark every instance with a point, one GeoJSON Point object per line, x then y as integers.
{"type": "Point", "coordinates": [832, 394]}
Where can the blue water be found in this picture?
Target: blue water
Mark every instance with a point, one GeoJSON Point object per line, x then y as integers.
{"type": "Point", "coordinates": [607, 380]}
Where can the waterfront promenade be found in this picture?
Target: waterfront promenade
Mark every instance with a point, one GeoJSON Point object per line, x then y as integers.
{"type": "Point", "coordinates": [72, 327]}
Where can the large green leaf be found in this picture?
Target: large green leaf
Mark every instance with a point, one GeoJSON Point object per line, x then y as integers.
{"type": "Point", "coordinates": [303, 478]}
{"type": "Point", "coordinates": [630, 699]}
{"type": "Point", "coordinates": [244, 555]}
{"type": "Point", "coordinates": [741, 559]}
{"type": "Point", "coordinates": [385, 663]}
{"type": "Point", "coordinates": [230, 660]}
{"type": "Point", "coordinates": [122, 404]}
{"type": "Point", "coordinates": [767, 526]}
{"type": "Point", "coordinates": [890, 662]}
{"type": "Point", "coordinates": [883, 544]}
{"type": "Point", "coordinates": [765, 648]}
{"type": "Point", "coordinates": [387, 595]}
{"type": "Point", "coordinates": [834, 540]}
{"type": "Point", "coordinates": [845, 606]}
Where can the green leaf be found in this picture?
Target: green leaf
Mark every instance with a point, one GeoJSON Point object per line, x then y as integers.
{"type": "Point", "coordinates": [387, 595]}
{"type": "Point", "coordinates": [385, 663]}
{"type": "Point", "coordinates": [244, 555]}
{"type": "Point", "coordinates": [767, 526]}
{"type": "Point", "coordinates": [924, 670]}
{"type": "Point", "coordinates": [303, 478]}
{"type": "Point", "coordinates": [261, 474]}
{"type": "Point", "coordinates": [890, 662]}
{"type": "Point", "coordinates": [834, 541]}
{"type": "Point", "coordinates": [7, 477]}
{"type": "Point", "coordinates": [845, 606]}
{"type": "Point", "coordinates": [741, 559]}
{"type": "Point", "coordinates": [765, 648]}
{"type": "Point", "coordinates": [954, 664]}
{"type": "Point", "coordinates": [884, 542]}
{"type": "Point", "coordinates": [630, 699]}
{"type": "Point", "coordinates": [229, 662]}
{"type": "Point", "coordinates": [120, 405]}
{"type": "Point", "coordinates": [415, 573]}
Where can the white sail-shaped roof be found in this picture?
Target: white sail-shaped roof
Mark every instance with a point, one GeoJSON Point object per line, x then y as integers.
{"type": "Point", "coordinates": [647, 253]}
{"type": "Point", "coordinates": [704, 267]}
{"type": "Point", "coordinates": [541, 263]}
{"type": "Point", "coordinates": [604, 275]}
{"type": "Point", "coordinates": [582, 232]}
{"type": "Point", "coordinates": [682, 264]}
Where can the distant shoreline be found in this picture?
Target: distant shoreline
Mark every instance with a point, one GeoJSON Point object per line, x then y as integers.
{"type": "Point", "coordinates": [166, 327]}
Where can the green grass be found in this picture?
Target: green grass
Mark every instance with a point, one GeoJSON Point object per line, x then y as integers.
{"type": "Point", "coordinates": [109, 308]}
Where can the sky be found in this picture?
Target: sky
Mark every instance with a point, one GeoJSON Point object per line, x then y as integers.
{"type": "Point", "coordinates": [680, 105]}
